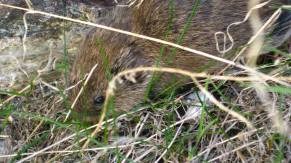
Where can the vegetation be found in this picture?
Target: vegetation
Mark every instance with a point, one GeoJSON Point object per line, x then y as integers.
{"type": "Point", "coordinates": [179, 126]}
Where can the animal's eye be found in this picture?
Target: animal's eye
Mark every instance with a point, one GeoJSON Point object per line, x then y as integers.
{"type": "Point", "coordinates": [99, 100]}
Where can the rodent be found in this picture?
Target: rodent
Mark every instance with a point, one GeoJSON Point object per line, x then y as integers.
{"type": "Point", "coordinates": [163, 19]}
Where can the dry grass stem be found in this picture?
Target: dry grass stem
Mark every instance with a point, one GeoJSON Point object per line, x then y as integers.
{"type": "Point", "coordinates": [73, 135]}
{"type": "Point", "coordinates": [234, 150]}
{"type": "Point", "coordinates": [221, 106]}
{"type": "Point", "coordinates": [171, 143]}
{"type": "Point", "coordinates": [248, 133]}
{"type": "Point", "coordinates": [81, 91]}
{"type": "Point", "coordinates": [24, 35]}
{"type": "Point", "coordinates": [12, 97]}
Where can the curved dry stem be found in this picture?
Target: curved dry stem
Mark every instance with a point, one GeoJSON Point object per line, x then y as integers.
{"type": "Point", "coordinates": [112, 86]}
{"type": "Point", "coordinates": [248, 15]}
{"type": "Point", "coordinates": [221, 106]}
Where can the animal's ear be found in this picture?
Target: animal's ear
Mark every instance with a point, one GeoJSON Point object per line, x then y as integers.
{"type": "Point", "coordinates": [282, 30]}
{"type": "Point", "coordinates": [129, 58]}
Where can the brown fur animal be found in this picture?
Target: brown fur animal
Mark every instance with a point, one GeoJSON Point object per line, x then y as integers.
{"type": "Point", "coordinates": [114, 52]}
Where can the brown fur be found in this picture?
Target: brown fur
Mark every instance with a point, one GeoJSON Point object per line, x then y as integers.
{"type": "Point", "coordinates": [152, 18]}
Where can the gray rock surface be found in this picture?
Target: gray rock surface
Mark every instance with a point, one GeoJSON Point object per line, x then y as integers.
{"type": "Point", "coordinates": [41, 31]}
